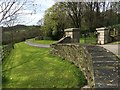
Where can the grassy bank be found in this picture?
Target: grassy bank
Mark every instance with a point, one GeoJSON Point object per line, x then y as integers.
{"type": "Point", "coordinates": [42, 41]}
{"type": "Point", "coordinates": [31, 67]}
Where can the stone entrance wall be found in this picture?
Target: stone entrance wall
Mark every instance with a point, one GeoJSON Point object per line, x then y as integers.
{"type": "Point", "coordinates": [74, 33]}
{"type": "Point", "coordinates": [79, 56]}
{"type": "Point", "coordinates": [103, 35]}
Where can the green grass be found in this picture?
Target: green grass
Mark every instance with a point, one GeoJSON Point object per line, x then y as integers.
{"type": "Point", "coordinates": [42, 41]}
{"type": "Point", "coordinates": [31, 67]}
{"type": "Point", "coordinates": [117, 42]}
{"type": "Point", "coordinates": [88, 40]}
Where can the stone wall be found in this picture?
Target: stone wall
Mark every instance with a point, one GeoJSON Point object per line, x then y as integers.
{"type": "Point", "coordinates": [64, 40]}
{"type": "Point", "coordinates": [79, 55]}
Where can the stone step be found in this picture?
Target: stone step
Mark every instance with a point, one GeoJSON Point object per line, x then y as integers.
{"type": "Point", "coordinates": [105, 64]}
{"type": "Point", "coordinates": [106, 67]}
{"type": "Point", "coordinates": [107, 86]}
{"type": "Point", "coordinates": [107, 77]}
{"type": "Point", "coordinates": [104, 59]}
{"type": "Point", "coordinates": [100, 53]}
{"type": "Point", "coordinates": [95, 48]}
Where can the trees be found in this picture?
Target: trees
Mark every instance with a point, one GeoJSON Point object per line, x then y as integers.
{"type": "Point", "coordinates": [61, 16]}
{"type": "Point", "coordinates": [74, 10]}
{"type": "Point", "coordinates": [55, 21]}
{"type": "Point", "coordinates": [9, 9]}
{"type": "Point", "coordinates": [84, 15]}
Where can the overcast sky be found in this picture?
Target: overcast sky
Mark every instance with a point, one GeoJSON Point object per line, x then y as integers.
{"type": "Point", "coordinates": [34, 11]}
{"type": "Point", "coordinates": [38, 10]}
{"type": "Point", "coordinates": [32, 14]}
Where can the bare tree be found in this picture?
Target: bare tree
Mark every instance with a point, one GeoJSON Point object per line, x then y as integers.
{"type": "Point", "coordinates": [9, 9]}
{"type": "Point", "coordinates": [40, 22]}
{"type": "Point", "coordinates": [74, 10]}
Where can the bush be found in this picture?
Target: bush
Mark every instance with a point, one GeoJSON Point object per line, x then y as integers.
{"type": "Point", "coordinates": [117, 38]}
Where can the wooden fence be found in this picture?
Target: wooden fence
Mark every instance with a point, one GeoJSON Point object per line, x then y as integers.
{"type": "Point", "coordinates": [5, 50]}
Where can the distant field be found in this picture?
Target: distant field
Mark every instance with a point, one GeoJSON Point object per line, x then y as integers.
{"type": "Point", "coordinates": [31, 67]}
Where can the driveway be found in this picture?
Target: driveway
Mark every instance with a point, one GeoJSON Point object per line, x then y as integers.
{"type": "Point", "coordinates": [113, 48]}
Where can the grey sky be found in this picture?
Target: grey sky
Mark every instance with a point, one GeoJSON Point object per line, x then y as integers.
{"type": "Point", "coordinates": [32, 14]}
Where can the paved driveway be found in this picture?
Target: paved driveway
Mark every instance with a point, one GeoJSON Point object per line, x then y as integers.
{"type": "Point", "coordinates": [113, 48]}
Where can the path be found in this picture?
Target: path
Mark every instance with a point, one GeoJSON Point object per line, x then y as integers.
{"type": "Point", "coordinates": [106, 67]}
{"type": "Point", "coordinates": [113, 48]}
{"type": "Point", "coordinates": [38, 45]}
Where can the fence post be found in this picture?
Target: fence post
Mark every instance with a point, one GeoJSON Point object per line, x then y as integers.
{"type": "Point", "coordinates": [0, 57]}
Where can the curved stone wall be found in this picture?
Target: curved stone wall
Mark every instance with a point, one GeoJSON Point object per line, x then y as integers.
{"type": "Point", "coordinates": [79, 55]}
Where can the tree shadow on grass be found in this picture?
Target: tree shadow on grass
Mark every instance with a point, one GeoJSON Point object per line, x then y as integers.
{"type": "Point", "coordinates": [15, 66]}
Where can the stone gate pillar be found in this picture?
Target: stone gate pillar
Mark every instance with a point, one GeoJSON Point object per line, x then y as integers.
{"type": "Point", "coordinates": [103, 35]}
{"type": "Point", "coordinates": [74, 33]}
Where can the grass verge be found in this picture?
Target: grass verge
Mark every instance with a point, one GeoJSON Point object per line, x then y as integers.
{"type": "Point", "coordinates": [31, 67]}
{"type": "Point", "coordinates": [42, 41]}
{"type": "Point", "coordinates": [117, 42]}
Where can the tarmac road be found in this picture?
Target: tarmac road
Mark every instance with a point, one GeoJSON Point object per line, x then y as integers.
{"type": "Point", "coordinates": [113, 48]}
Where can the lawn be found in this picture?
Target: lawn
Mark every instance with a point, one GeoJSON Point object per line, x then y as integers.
{"type": "Point", "coordinates": [88, 40]}
{"type": "Point", "coordinates": [42, 41]}
{"type": "Point", "coordinates": [31, 67]}
{"type": "Point", "coordinates": [117, 42]}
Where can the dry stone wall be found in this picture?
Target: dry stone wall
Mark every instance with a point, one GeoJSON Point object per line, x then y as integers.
{"type": "Point", "coordinates": [79, 55]}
